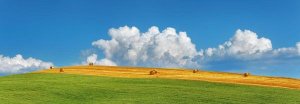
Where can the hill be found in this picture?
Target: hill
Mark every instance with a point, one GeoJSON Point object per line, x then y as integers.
{"type": "Point", "coordinates": [98, 84]}
{"type": "Point", "coordinates": [186, 74]}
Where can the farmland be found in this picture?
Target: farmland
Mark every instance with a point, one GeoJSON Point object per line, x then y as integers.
{"type": "Point", "coordinates": [186, 74]}
{"type": "Point", "coordinates": [54, 87]}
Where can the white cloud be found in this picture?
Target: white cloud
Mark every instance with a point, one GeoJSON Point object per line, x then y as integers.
{"type": "Point", "coordinates": [17, 64]}
{"type": "Point", "coordinates": [298, 47]}
{"type": "Point", "coordinates": [245, 51]}
{"type": "Point", "coordinates": [244, 44]}
{"type": "Point", "coordinates": [106, 62]}
{"type": "Point", "coordinates": [129, 46]}
{"type": "Point", "coordinates": [247, 42]}
{"type": "Point", "coordinates": [92, 58]}
{"type": "Point", "coordinates": [290, 51]}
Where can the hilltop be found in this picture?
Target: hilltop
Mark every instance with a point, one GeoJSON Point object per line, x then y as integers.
{"type": "Point", "coordinates": [185, 74]}
{"type": "Point", "coordinates": [115, 85]}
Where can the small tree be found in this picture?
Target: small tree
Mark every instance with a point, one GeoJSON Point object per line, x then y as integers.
{"type": "Point", "coordinates": [91, 64]}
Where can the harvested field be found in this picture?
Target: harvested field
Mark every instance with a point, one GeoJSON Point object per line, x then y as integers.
{"type": "Point", "coordinates": [139, 72]}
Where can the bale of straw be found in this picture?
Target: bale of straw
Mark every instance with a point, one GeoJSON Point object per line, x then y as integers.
{"type": "Point", "coordinates": [153, 72]}
{"type": "Point", "coordinates": [51, 67]}
{"type": "Point", "coordinates": [61, 70]}
{"type": "Point", "coordinates": [246, 74]}
{"type": "Point", "coordinates": [91, 64]}
{"type": "Point", "coordinates": [195, 71]}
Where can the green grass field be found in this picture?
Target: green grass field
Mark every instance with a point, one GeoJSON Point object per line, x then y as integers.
{"type": "Point", "coordinates": [71, 89]}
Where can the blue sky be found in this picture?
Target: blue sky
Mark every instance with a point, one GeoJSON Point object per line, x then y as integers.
{"type": "Point", "coordinates": [59, 30]}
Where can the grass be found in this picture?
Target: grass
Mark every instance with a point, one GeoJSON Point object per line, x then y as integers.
{"type": "Point", "coordinates": [80, 89]}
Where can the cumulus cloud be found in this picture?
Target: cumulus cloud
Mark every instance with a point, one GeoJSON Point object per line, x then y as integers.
{"type": "Point", "coordinates": [288, 52]}
{"type": "Point", "coordinates": [92, 58]}
{"type": "Point", "coordinates": [18, 64]}
{"type": "Point", "coordinates": [244, 44]}
{"type": "Point", "coordinates": [298, 47]}
{"type": "Point", "coordinates": [166, 48]}
{"type": "Point", "coordinates": [245, 51]}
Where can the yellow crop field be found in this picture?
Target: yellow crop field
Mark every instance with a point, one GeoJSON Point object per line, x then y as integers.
{"type": "Point", "coordinates": [184, 74]}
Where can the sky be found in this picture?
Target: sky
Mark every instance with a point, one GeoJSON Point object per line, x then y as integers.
{"type": "Point", "coordinates": [36, 34]}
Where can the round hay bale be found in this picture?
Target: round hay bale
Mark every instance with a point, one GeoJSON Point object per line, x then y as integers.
{"type": "Point", "coordinates": [91, 64]}
{"type": "Point", "coordinates": [195, 71]}
{"type": "Point", "coordinates": [246, 74]}
{"type": "Point", "coordinates": [153, 72]}
{"type": "Point", "coordinates": [61, 70]}
{"type": "Point", "coordinates": [51, 67]}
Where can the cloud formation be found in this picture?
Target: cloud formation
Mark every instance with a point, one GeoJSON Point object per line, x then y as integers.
{"type": "Point", "coordinates": [244, 44]}
{"type": "Point", "coordinates": [247, 52]}
{"type": "Point", "coordinates": [17, 64]}
{"type": "Point", "coordinates": [165, 48]}
{"type": "Point", "coordinates": [290, 51]}
{"type": "Point", "coordinates": [169, 48]}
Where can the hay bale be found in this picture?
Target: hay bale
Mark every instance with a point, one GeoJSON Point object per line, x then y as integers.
{"type": "Point", "coordinates": [51, 67]}
{"type": "Point", "coordinates": [195, 71]}
{"type": "Point", "coordinates": [246, 74]}
{"type": "Point", "coordinates": [91, 64]}
{"type": "Point", "coordinates": [61, 70]}
{"type": "Point", "coordinates": [153, 72]}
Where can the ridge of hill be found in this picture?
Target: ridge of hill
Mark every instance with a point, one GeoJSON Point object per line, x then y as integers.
{"type": "Point", "coordinates": [172, 73]}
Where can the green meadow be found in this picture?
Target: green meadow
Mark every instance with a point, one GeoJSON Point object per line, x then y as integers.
{"type": "Point", "coordinates": [36, 88]}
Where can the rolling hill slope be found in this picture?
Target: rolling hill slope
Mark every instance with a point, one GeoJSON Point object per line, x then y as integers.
{"type": "Point", "coordinates": [111, 85]}
{"type": "Point", "coordinates": [141, 72]}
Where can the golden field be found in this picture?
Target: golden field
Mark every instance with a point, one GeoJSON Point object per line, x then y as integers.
{"type": "Point", "coordinates": [184, 74]}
